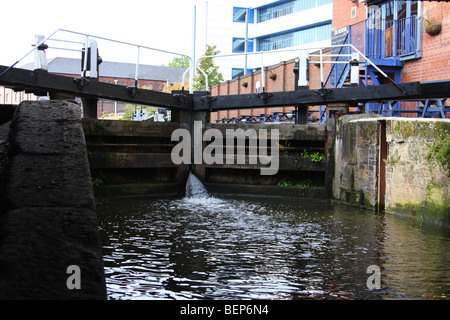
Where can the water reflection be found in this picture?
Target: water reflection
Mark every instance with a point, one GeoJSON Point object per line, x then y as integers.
{"type": "Point", "coordinates": [214, 248]}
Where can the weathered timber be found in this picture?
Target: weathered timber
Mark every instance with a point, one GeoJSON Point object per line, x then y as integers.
{"type": "Point", "coordinates": [292, 163]}
{"type": "Point", "coordinates": [41, 82]}
{"type": "Point", "coordinates": [128, 128]}
{"type": "Point", "coordinates": [287, 131]}
{"type": "Point", "coordinates": [310, 97]}
{"type": "Point", "coordinates": [130, 160]}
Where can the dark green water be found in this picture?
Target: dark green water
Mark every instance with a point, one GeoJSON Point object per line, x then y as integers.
{"type": "Point", "coordinates": [218, 248]}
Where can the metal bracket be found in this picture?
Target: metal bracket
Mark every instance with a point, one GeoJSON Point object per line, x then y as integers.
{"type": "Point", "coordinates": [208, 100]}
{"type": "Point", "coordinates": [322, 92]}
{"type": "Point", "coordinates": [264, 96]}
{"type": "Point", "coordinates": [133, 91]}
{"type": "Point", "coordinates": [180, 98]}
{"type": "Point", "coordinates": [81, 82]}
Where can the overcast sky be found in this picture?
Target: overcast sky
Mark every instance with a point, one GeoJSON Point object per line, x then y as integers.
{"type": "Point", "coordinates": [165, 25]}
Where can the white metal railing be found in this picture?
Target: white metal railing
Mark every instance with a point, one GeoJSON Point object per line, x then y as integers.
{"type": "Point", "coordinates": [86, 44]}
{"type": "Point", "coordinates": [302, 52]}
{"type": "Point", "coordinates": [321, 62]}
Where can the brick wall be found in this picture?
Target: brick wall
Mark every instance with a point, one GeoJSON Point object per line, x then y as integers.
{"type": "Point", "coordinates": [342, 10]}
{"type": "Point", "coordinates": [435, 61]}
{"type": "Point", "coordinates": [278, 78]}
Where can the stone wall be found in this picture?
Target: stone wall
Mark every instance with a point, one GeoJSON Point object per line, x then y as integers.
{"type": "Point", "coordinates": [417, 183]}
{"type": "Point", "coordinates": [47, 214]}
{"type": "Point", "coordinates": [356, 153]}
{"type": "Point", "coordinates": [396, 164]}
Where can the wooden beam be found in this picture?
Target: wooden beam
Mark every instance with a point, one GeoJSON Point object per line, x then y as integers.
{"type": "Point", "coordinates": [308, 97]}
{"type": "Point", "coordinates": [41, 81]}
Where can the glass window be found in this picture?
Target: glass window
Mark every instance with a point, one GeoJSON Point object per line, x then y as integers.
{"type": "Point", "coordinates": [239, 45]}
{"type": "Point", "coordinates": [284, 8]}
{"type": "Point", "coordinates": [239, 72]}
{"type": "Point", "coordinates": [239, 14]}
{"type": "Point", "coordinates": [295, 38]}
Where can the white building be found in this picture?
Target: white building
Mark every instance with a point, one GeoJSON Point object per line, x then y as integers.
{"type": "Point", "coordinates": [272, 25]}
{"type": "Point", "coordinates": [9, 96]}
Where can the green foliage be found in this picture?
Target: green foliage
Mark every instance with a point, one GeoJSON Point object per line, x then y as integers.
{"type": "Point", "coordinates": [131, 107]}
{"type": "Point", "coordinates": [440, 148]}
{"type": "Point", "coordinates": [301, 185]}
{"type": "Point", "coordinates": [315, 157]}
{"type": "Point", "coordinates": [207, 65]}
{"type": "Point", "coordinates": [99, 128]}
{"type": "Point", "coordinates": [180, 62]}
{"type": "Point", "coordinates": [97, 182]}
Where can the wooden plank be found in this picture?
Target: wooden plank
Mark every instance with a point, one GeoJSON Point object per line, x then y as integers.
{"type": "Point", "coordinates": [308, 97]}
{"type": "Point", "coordinates": [42, 82]}
{"type": "Point", "coordinates": [130, 160]}
{"type": "Point", "coordinates": [94, 127]}
{"type": "Point", "coordinates": [289, 163]}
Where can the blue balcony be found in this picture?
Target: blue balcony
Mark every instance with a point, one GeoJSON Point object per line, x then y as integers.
{"type": "Point", "coordinates": [388, 42]}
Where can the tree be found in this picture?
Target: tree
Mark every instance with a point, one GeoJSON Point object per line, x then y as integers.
{"type": "Point", "coordinates": [180, 62]}
{"type": "Point", "coordinates": [207, 65]}
{"type": "Point", "coordinates": [176, 86]}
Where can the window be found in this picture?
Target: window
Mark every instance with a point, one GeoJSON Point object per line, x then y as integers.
{"type": "Point", "coordinates": [295, 38]}
{"type": "Point", "coordinates": [353, 12]}
{"type": "Point", "coordinates": [284, 8]}
{"type": "Point", "coordinates": [239, 72]}
{"type": "Point", "coordinates": [239, 15]}
{"type": "Point", "coordinates": [239, 45]}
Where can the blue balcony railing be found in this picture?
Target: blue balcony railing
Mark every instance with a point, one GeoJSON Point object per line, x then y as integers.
{"type": "Point", "coordinates": [386, 39]}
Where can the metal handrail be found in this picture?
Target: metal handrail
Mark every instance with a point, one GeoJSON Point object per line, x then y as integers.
{"type": "Point", "coordinates": [261, 53]}
{"type": "Point", "coordinates": [36, 46]}
{"type": "Point", "coordinates": [320, 49]}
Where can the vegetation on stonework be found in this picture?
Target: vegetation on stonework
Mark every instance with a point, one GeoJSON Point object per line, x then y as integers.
{"type": "Point", "coordinates": [301, 185]}
{"type": "Point", "coordinates": [313, 157]}
{"type": "Point", "coordinates": [97, 182]}
{"type": "Point", "coordinates": [440, 147]}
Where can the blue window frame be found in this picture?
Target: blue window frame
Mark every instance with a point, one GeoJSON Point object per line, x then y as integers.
{"type": "Point", "coordinates": [239, 15]}
{"type": "Point", "coordinates": [283, 8]}
{"type": "Point", "coordinates": [239, 72]}
{"type": "Point", "coordinates": [297, 37]}
{"type": "Point", "coordinates": [239, 45]}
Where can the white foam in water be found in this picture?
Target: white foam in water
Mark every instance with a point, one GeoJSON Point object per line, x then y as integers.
{"type": "Point", "coordinates": [195, 188]}
{"type": "Point", "coordinates": [230, 212]}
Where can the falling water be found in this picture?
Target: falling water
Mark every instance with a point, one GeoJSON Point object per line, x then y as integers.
{"type": "Point", "coordinates": [195, 188]}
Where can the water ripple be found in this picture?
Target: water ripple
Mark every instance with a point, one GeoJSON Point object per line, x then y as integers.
{"type": "Point", "coordinates": [218, 248]}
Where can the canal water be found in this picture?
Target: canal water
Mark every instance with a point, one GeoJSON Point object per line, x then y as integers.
{"type": "Point", "coordinates": [212, 247]}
